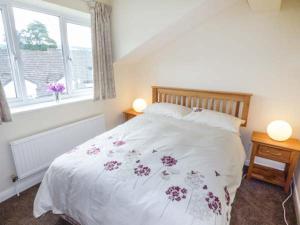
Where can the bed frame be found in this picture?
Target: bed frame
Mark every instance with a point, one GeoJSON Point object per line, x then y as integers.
{"type": "Point", "coordinates": [233, 103]}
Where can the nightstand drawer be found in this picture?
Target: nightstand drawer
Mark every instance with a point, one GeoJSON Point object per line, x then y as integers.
{"type": "Point", "coordinates": [273, 153]}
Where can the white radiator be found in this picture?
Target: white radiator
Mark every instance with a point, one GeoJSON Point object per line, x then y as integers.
{"type": "Point", "coordinates": [35, 153]}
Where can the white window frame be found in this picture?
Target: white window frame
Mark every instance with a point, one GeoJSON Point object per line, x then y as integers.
{"type": "Point", "coordinates": [15, 55]}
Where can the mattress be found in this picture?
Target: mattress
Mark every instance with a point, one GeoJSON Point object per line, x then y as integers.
{"type": "Point", "coordinates": [151, 170]}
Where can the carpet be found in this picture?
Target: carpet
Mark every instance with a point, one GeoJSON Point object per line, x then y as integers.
{"type": "Point", "coordinates": [256, 203]}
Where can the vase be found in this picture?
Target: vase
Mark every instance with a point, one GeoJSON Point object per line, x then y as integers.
{"type": "Point", "coordinates": [57, 97]}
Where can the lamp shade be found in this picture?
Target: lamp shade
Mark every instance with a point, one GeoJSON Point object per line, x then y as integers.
{"type": "Point", "coordinates": [139, 105]}
{"type": "Point", "coordinates": [279, 130]}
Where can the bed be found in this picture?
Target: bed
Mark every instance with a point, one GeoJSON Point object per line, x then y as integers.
{"type": "Point", "coordinates": [152, 169]}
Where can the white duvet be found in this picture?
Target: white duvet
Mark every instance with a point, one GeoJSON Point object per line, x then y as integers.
{"type": "Point", "coordinates": [152, 170]}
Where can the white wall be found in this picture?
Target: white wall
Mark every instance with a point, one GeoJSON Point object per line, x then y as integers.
{"type": "Point", "coordinates": [238, 50]}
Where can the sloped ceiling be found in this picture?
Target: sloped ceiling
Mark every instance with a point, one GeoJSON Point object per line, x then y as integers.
{"type": "Point", "coordinates": [193, 18]}
{"type": "Point", "coordinates": [199, 14]}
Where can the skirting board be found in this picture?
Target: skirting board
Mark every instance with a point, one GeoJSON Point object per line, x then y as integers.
{"type": "Point", "coordinates": [21, 185]}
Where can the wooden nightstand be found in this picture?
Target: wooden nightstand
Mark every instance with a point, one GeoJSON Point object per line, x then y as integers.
{"type": "Point", "coordinates": [285, 152]}
{"type": "Point", "coordinates": [130, 113]}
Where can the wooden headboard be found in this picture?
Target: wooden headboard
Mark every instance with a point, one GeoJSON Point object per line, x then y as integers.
{"type": "Point", "coordinates": [236, 104]}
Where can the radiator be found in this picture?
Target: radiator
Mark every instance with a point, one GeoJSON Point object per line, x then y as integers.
{"type": "Point", "coordinates": [35, 153]}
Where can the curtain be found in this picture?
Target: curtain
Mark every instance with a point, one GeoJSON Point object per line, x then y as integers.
{"type": "Point", "coordinates": [104, 82]}
{"type": "Point", "coordinates": [4, 109]}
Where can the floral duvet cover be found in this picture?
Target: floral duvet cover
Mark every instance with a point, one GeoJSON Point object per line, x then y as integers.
{"type": "Point", "coordinates": [152, 170]}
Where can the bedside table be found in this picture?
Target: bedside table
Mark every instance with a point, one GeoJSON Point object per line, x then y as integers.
{"type": "Point", "coordinates": [130, 113]}
{"type": "Point", "coordinates": [285, 152]}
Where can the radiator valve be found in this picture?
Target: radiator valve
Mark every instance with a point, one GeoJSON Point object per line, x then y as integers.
{"type": "Point", "coordinates": [14, 178]}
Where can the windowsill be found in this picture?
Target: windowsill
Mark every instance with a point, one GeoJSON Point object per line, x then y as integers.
{"type": "Point", "coordinates": [27, 108]}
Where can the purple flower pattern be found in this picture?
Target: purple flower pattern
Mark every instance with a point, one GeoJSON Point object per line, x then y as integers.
{"type": "Point", "coordinates": [168, 161]}
{"type": "Point", "coordinates": [176, 193]}
{"type": "Point", "coordinates": [214, 203]}
{"type": "Point", "coordinates": [227, 196]}
{"type": "Point", "coordinates": [142, 170]}
{"type": "Point", "coordinates": [112, 165]}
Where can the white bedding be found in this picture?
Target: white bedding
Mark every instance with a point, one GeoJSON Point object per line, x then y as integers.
{"type": "Point", "coordinates": [152, 170]}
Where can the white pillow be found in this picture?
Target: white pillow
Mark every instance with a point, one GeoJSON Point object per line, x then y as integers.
{"type": "Point", "coordinates": [168, 109]}
{"type": "Point", "coordinates": [215, 119]}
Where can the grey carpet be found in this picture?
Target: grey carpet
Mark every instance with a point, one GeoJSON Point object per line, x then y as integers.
{"type": "Point", "coordinates": [256, 203]}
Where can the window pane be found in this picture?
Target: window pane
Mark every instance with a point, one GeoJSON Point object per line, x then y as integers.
{"type": "Point", "coordinates": [5, 68]}
{"type": "Point", "coordinates": [79, 39]}
{"type": "Point", "coordinates": [41, 51]}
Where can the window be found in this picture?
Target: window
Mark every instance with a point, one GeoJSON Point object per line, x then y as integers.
{"type": "Point", "coordinates": [6, 77]}
{"type": "Point", "coordinates": [40, 47]}
{"type": "Point", "coordinates": [37, 49]}
{"type": "Point", "coordinates": [81, 56]}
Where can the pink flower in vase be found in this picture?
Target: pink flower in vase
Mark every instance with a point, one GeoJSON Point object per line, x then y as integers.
{"type": "Point", "coordinates": [56, 89]}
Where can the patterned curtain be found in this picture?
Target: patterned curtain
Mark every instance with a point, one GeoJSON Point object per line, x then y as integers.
{"type": "Point", "coordinates": [4, 109]}
{"type": "Point", "coordinates": [104, 82]}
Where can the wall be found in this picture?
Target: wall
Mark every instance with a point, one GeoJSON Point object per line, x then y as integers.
{"type": "Point", "coordinates": [238, 50]}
